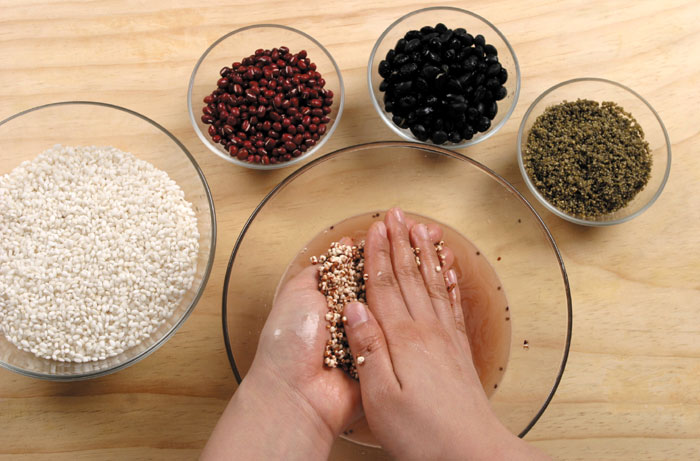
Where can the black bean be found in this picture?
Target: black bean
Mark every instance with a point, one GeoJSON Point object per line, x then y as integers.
{"type": "Point", "coordinates": [438, 124]}
{"type": "Point", "coordinates": [458, 107]}
{"type": "Point", "coordinates": [493, 70]}
{"type": "Point", "coordinates": [483, 124]}
{"type": "Point", "coordinates": [425, 112]}
{"type": "Point", "coordinates": [491, 59]}
{"type": "Point", "coordinates": [492, 110]}
{"type": "Point", "coordinates": [400, 45]}
{"type": "Point", "coordinates": [383, 86]}
{"type": "Point", "coordinates": [412, 117]}
{"type": "Point", "coordinates": [468, 132]}
{"type": "Point", "coordinates": [389, 106]}
{"type": "Point", "coordinates": [500, 93]}
{"type": "Point", "coordinates": [490, 50]}
{"type": "Point", "coordinates": [399, 121]}
{"type": "Point", "coordinates": [434, 57]}
{"type": "Point", "coordinates": [403, 87]}
{"type": "Point", "coordinates": [419, 132]}
{"type": "Point", "coordinates": [441, 82]}
{"type": "Point", "coordinates": [467, 40]}
{"type": "Point", "coordinates": [479, 78]}
{"type": "Point", "coordinates": [479, 40]}
{"type": "Point", "coordinates": [470, 63]}
{"type": "Point", "coordinates": [492, 83]}
{"type": "Point", "coordinates": [450, 55]}
{"type": "Point", "coordinates": [431, 101]}
{"type": "Point", "coordinates": [411, 34]}
{"type": "Point", "coordinates": [412, 45]}
{"type": "Point", "coordinates": [503, 75]}
{"type": "Point", "coordinates": [408, 70]}
{"type": "Point", "coordinates": [390, 55]}
{"type": "Point", "coordinates": [446, 36]}
{"type": "Point", "coordinates": [455, 98]}
{"type": "Point", "coordinates": [420, 84]}
{"type": "Point", "coordinates": [430, 72]}
{"type": "Point", "coordinates": [454, 137]}
{"type": "Point", "coordinates": [407, 102]}
{"type": "Point", "coordinates": [455, 44]}
{"type": "Point", "coordinates": [461, 31]}
{"type": "Point", "coordinates": [426, 30]}
{"type": "Point", "coordinates": [440, 28]}
{"type": "Point", "coordinates": [453, 86]}
{"type": "Point", "coordinates": [438, 137]}
{"type": "Point", "coordinates": [435, 44]}
{"type": "Point", "coordinates": [472, 113]}
{"type": "Point", "coordinates": [384, 69]}
{"type": "Point", "coordinates": [400, 60]}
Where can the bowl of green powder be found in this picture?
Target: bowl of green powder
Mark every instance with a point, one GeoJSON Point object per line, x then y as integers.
{"type": "Point", "coordinates": [594, 152]}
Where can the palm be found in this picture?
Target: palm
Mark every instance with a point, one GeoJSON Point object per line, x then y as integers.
{"type": "Point", "coordinates": [292, 343]}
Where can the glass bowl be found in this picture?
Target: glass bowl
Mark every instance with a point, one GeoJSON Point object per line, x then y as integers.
{"type": "Point", "coordinates": [241, 43]}
{"type": "Point", "coordinates": [79, 123]}
{"type": "Point", "coordinates": [452, 18]}
{"type": "Point", "coordinates": [442, 185]}
{"type": "Point", "coordinates": [599, 89]}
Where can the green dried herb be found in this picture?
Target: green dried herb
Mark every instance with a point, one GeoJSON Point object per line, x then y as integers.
{"type": "Point", "coordinates": [586, 158]}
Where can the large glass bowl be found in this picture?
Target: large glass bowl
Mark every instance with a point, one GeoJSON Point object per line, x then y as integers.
{"type": "Point", "coordinates": [433, 182]}
{"type": "Point", "coordinates": [599, 89]}
{"type": "Point", "coordinates": [241, 43]}
{"type": "Point", "coordinates": [452, 18]}
{"type": "Point", "coordinates": [79, 123]}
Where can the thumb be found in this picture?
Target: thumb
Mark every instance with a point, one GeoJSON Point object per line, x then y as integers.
{"type": "Point", "coordinates": [368, 347]}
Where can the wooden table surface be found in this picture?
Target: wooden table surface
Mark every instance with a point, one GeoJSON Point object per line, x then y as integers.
{"type": "Point", "coordinates": [631, 389]}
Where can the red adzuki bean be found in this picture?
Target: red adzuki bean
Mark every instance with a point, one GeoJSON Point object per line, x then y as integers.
{"type": "Point", "coordinates": [268, 108]}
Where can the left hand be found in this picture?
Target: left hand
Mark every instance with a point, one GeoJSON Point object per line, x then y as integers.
{"type": "Point", "coordinates": [290, 353]}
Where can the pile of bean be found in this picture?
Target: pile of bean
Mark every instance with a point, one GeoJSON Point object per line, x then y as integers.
{"type": "Point", "coordinates": [587, 158]}
{"type": "Point", "coordinates": [442, 84]}
{"type": "Point", "coordinates": [269, 108]}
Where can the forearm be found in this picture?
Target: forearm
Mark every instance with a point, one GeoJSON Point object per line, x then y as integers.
{"type": "Point", "coordinates": [261, 423]}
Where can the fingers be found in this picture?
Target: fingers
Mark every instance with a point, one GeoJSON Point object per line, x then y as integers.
{"type": "Point", "coordinates": [405, 268]}
{"type": "Point", "coordinates": [434, 230]}
{"type": "Point", "coordinates": [433, 278]}
{"type": "Point", "coordinates": [383, 292]}
{"type": "Point", "coordinates": [369, 348]}
{"type": "Point", "coordinates": [455, 300]}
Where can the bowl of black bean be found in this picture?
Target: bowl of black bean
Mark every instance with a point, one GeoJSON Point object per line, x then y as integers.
{"type": "Point", "coordinates": [443, 76]}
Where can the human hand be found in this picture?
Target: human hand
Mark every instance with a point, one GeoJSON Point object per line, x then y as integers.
{"type": "Point", "coordinates": [420, 391]}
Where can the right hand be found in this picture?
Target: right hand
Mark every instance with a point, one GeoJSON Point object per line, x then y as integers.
{"type": "Point", "coordinates": [420, 391]}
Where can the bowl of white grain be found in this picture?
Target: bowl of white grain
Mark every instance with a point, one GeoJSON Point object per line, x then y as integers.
{"type": "Point", "coordinates": [107, 238]}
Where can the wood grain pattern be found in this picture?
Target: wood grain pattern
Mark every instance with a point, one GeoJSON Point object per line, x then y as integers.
{"type": "Point", "coordinates": [632, 386]}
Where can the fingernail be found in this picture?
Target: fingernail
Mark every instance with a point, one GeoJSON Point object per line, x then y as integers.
{"type": "Point", "coordinates": [399, 215]}
{"type": "Point", "coordinates": [356, 314]}
{"type": "Point", "coordinates": [451, 277]}
{"type": "Point", "coordinates": [381, 227]}
{"type": "Point", "coordinates": [422, 231]}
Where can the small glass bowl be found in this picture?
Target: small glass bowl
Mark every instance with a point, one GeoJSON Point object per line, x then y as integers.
{"type": "Point", "coordinates": [452, 18]}
{"type": "Point", "coordinates": [454, 190]}
{"type": "Point", "coordinates": [599, 89]}
{"type": "Point", "coordinates": [241, 43]}
{"type": "Point", "coordinates": [27, 134]}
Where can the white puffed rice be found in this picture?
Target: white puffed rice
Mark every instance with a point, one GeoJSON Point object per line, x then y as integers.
{"type": "Point", "coordinates": [98, 248]}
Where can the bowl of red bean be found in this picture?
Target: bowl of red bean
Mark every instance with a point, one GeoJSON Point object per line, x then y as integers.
{"type": "Point", "coordinates": [265, 96]}
{"type": "Point", "coordinates": [443, 76]}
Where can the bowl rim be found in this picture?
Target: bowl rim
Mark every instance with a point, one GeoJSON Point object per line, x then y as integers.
{"type": "Point", "coordinates": [433, 150]}
{"type": "Point", "coordinates": [552, 208]}
{"type": "Point", "coordinates": [492, 130]}
{"type": "Point", "coordinates": [257, 166]}
{"type": "Point", "coordinates": [207, 269]}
